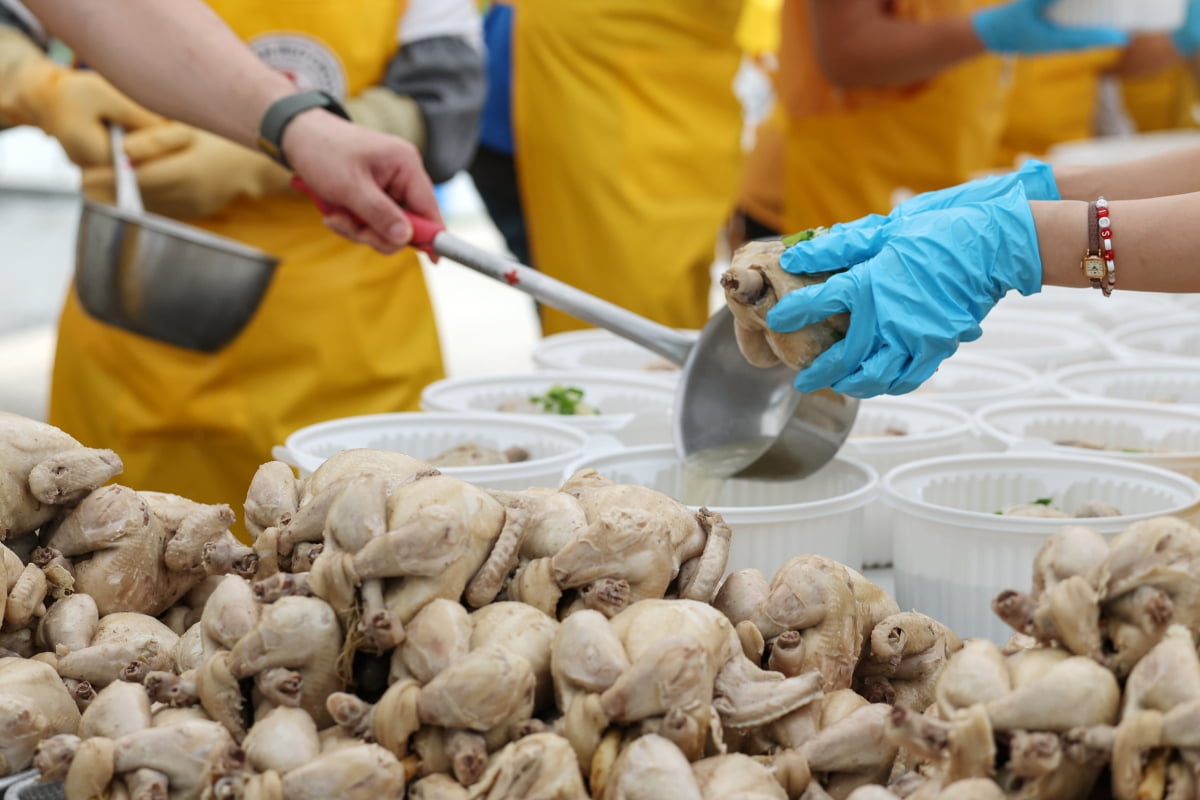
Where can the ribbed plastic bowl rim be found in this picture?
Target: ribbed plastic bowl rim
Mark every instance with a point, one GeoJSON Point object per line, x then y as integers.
{"type": "Point", "coordinates": [844, 502]}
{"type": "Point", "coordinates": [496, 382]}
{"type": "Point", "coordinates": [1057, 379]}
{"type": "Point", "coordinates": [964, 424]}
{"type": "Point", "coordinates": [987, 520]}
{"type": "Point", "coordinates": [1126, 409]}
{"type": "Point", "coordinates": [580, 437]}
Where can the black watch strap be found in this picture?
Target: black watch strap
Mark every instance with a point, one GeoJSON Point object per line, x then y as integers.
{"type": "Point", "coordinates": [283, 111]}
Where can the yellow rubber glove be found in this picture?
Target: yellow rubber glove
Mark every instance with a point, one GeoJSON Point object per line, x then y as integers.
{"type": "Point", "coordinates": [186, 173]}
{"type": "Point", "coordinates": [71, 105]}
{"type": "Point", "coordinates": [381, 109]}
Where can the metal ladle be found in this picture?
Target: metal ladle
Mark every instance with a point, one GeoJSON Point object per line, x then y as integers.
{"type": "Point", "coordinates": [731, 419]}
{"type": "Point", "coordinates": [162, 279]}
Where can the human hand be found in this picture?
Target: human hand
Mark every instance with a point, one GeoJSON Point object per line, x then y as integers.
{"type": "Point", "coordinates": [917, 286]}
{"type": "Point", "coordinates": [1035, 177]}
{"type": "Point", "coordinates": [1187, 38]}
{"type": "Point", "coordinates": [368, 176]}
{"type": "Point", "coordinates": [73, 106]}
{"type": "Point", "coordinates": [186, 173]}
{"type": "Point", "coordinates": [1021, 27]}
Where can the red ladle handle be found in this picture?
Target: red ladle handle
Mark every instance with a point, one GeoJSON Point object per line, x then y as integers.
{"type": "Point", "coordinates": [424, 230]}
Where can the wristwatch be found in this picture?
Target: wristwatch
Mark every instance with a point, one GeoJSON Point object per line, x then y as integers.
{"type": "Point", "coordinates": [280, 114]}
{"type": "Point", "coordinates": [1093, 260]}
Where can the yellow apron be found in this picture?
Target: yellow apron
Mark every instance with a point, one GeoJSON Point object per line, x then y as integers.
{"type": "Point", "coordinates": [758, 27]}
{"type": "Point", "coordinates": [342, 330]}
{"type": "Point", "coordinates": [849, 152]}
{"type": "Point", "coordinates": [628, 147]}
{"type": "Point", "coordinates": [1054, 99]}
{"type": "Point", "coordinates": [1162, 102]}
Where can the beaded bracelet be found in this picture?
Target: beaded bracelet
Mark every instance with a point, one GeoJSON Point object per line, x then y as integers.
{"type": "Point", "coordinates": [1110, 265]}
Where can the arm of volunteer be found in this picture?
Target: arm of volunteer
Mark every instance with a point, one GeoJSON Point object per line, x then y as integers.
{"type": "Point", "coordinates": [1154, 240]}
{"type": "Point", "coordinates": [1174, 172]}
{"type": "Point", "coordinates": [179, 59]}
{"type": "Point", "coordinates": [859, 44]}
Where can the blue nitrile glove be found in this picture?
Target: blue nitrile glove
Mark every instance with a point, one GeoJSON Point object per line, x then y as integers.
{"type": "Point", "coordinates": [1021, 27]}
{"type": "Point", "coordinates": [1036, 177]}
{"type": "Point", "coordinates": [917, 286]}
{"type": "Point", "coordinates": [1187, 38]}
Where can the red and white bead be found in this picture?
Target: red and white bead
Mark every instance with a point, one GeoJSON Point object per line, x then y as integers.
{"type": "Point", "coordinates": [1105, 225]}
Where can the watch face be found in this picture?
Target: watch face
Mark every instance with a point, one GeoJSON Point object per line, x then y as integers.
{"type": "Point", "coordinates": [1093, 268]}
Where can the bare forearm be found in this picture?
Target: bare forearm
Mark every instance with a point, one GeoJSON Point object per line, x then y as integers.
{"type": "Point", "coordinates": [176, 58]}
{"type": "Point", "coordinates": [1156, 244]}
{"type": "Point", "coordinates": [858, 44]}
{"type": "Point", "coordinates": [1174, 172]}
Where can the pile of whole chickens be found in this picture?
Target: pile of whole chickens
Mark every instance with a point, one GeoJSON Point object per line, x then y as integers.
{"type": "Point", "coordinates": [395, 632]}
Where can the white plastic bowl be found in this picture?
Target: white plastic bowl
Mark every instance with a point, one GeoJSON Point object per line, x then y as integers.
{"type": "Point", "coordinates": [1174, 337]}
{"type": "Point", "coordinates": [930, 430]}
{"type": "Point", "coordinates": [551, 445]}
{"type": "Point", "coordinates": [954, 553]}
{"type": "Point", "coordinates": [596, 349]}
{"type": "Point", "coordinates": [634, 408]}
{"type": "Point", "coordinates": [970, 381]}
{"type": "Point", "coordinates": [1058, 303]}
{"type": "Point", "coordinates": [1163, 382]}
{"type": "Point", "coordinates": [1162, 436]}
{"type": "Point", "coordinates": [1143, 16]}
{"type": "Point", "coordinates": [771, 520]}
{"type": "Point", "coordinates": [1038, 341]}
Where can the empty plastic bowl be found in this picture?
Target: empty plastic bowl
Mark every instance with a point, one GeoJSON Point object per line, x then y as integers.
{"type": "Point", "coordinates": [1038, 341]}
{"type": "Point", "coordinates": [1174, 337]}
{"type": "Point", "coordinates": [1143, 382]}
{"type": "Point", "coordinates": [970, 381]}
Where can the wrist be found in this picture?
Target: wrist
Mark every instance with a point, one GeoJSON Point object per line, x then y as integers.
{"type": "Point", "coordinates": [310, 132]}
{"type": "Point", "coordinates": [1062, 239]}
{"type": "Point", "coordinates": [288, 111]}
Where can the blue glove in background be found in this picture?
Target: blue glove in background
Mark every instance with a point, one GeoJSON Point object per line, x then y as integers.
{"type": "Point", "coordinates": [1036, 177]}
{"type": "Point", "coordinates": [1021, 27]}
{"type": "Point", "coordinates": [917, 286]}
{"type": "Point", "coordinates": [1187, 38]}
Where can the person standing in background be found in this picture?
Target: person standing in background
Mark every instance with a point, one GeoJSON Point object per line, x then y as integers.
{"type": "Point", "coordinates": [612, 139]}
{"type": "Point", "coordinates": [1168, 100]}
{"type": "Point", "coordinates": [342, 330]}
{"type": "Point", "coordinates": [1056, 98]}
{"type": "Point", "coordinates": [907, 96]}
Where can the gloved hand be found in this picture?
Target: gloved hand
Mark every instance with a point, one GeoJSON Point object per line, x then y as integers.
{"type": "Point", "coordinates": [71, 105]}
{"type": "Point", "coordinates": [1187, 38]}
{"type": "Point", "coordinates": [1021, 27]}
{"type": "Point", "coordinates": [186, 173]}
{"type": "Point", "coordinates": [917, 286]}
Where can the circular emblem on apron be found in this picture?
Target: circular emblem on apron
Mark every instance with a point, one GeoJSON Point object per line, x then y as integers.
{"type": "Point", "coordinates": [307, 62]}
